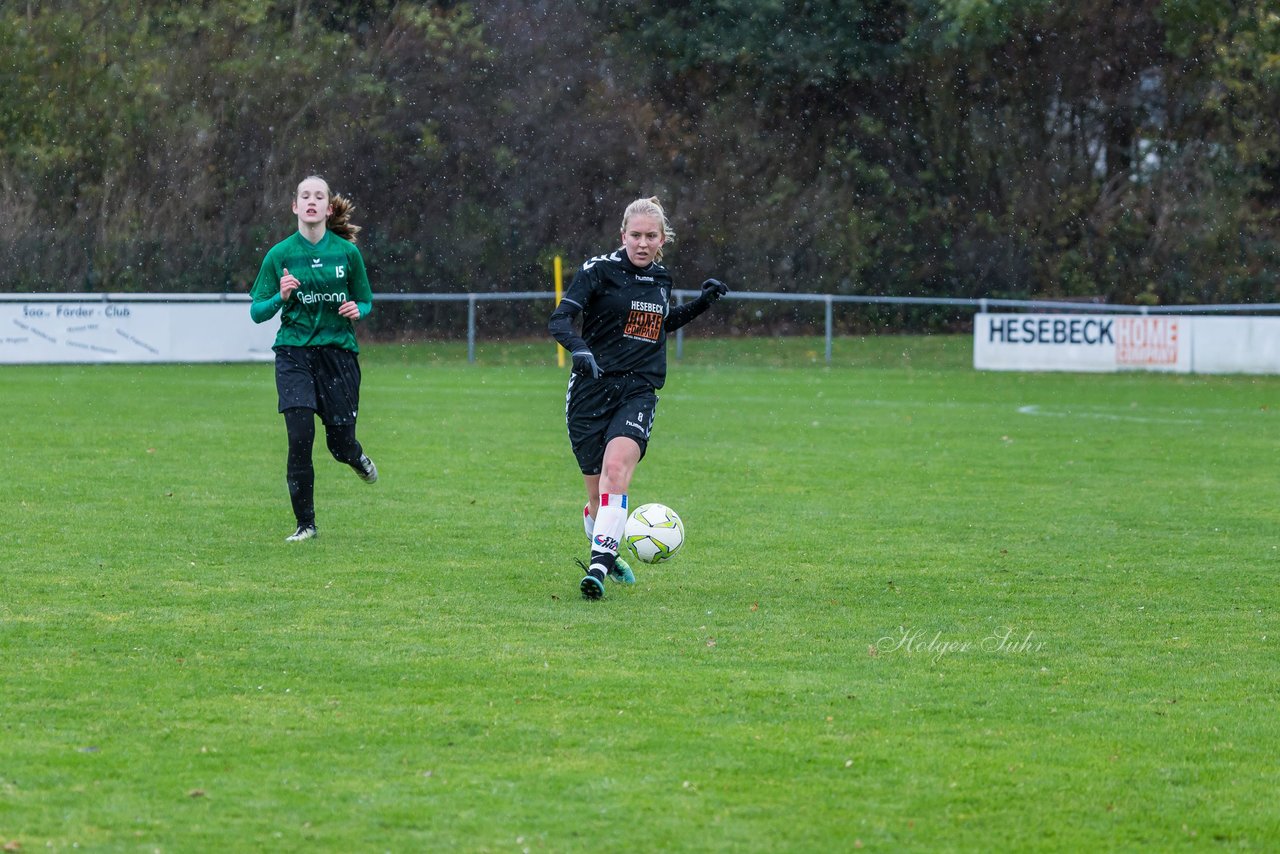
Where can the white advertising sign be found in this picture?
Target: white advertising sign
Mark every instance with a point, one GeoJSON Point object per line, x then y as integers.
{"type": "Point", "coordinates": [54, 332]}
{"type": "Point", "coordinates": [1126, 342]}
{"type": "Point", "coordinates": [1236, 345]}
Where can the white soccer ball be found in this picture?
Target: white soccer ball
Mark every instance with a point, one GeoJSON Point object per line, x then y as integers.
{"type": "Point", "coordinates": [654, 532]}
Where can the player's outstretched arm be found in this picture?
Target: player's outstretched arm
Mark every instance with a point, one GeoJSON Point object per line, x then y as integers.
{"type": "Point", "coordinates": [712, 291]}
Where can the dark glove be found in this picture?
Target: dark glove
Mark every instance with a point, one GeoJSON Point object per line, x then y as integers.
{"type": "Point", "coordinates": [584, 364]}
{"type": "Point", "coordinates": [713, 289]}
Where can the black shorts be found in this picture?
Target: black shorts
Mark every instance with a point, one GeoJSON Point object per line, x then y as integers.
{"type": "Point", "coordinates": [599, 410]}
{"type": "Point", "coordinates": [324, 379]}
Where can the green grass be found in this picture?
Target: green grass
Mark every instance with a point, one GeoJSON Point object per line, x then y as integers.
{"type": "Point", "coordinates": [820, 669]}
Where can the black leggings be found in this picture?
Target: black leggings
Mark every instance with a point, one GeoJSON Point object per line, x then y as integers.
{"type": "Point", "coordinates": [300, 474]}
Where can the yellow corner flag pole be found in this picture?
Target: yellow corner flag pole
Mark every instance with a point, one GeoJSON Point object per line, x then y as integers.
{"type": "Point", "coordinates": [559, 277]}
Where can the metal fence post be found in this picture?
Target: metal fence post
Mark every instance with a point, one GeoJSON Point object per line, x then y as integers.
{"type": "Point", "coordinates": [829, 303]}
{"type": "Point", "coordinates": [680, 331]}
{"type": "Point", "coordinates": [471, 329]}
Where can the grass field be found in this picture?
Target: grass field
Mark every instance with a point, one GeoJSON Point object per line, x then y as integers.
{"type": "Point", "coordinates": [921, 608]}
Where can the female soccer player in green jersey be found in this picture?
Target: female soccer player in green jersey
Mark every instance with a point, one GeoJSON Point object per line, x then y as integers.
{"type": "Point", "coordinates": [316, 280]}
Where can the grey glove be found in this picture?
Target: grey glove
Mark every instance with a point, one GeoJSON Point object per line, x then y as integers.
{"type": "Point", "coordinates": [584, 364]}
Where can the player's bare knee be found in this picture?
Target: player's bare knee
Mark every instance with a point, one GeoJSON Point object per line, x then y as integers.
{"type": "Point", "coordinates": [616, 475]}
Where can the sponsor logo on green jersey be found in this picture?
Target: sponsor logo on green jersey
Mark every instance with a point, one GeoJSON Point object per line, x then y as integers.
{"type": "Point", "coordinates": [308, 299]}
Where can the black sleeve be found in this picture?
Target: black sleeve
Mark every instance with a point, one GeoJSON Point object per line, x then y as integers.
{"type": "Point", "coordinates": [682, 314]}
{"type": "Point", "coordinates": [561, 326]}
{"type": "Point", "coordinates": [572, 304]}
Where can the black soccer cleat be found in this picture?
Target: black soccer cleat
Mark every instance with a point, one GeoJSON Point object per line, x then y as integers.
{"type": "Point", "coordinates": [592, 585]}
{"type": "Point", "coordinates": [592, 588]}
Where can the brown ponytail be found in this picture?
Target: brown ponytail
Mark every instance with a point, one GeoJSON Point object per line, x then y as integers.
{"type": "Point", "coordinates": [339, 221]}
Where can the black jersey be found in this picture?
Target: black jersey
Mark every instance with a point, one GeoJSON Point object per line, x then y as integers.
{"type": "Point", "coordinates": [626, 315]}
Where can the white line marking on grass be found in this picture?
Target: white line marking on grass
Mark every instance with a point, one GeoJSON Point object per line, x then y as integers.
{"type": "Point", "coordinates": [1106, 416]}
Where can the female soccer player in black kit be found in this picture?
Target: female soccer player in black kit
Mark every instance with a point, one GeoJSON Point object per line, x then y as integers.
{"type": "Point", "coordinates": [619, 363]}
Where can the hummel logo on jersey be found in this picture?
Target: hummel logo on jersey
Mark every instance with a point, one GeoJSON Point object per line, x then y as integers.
{"type": "Point", "coordinates": [644, 278]}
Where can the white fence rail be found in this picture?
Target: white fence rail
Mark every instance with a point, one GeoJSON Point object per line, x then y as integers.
{"type": "Point", "coordinates": [828, 301]}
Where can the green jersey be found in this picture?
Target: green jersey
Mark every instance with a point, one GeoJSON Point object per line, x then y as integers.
{"type": "Point", "coordinates": [330, 273]}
